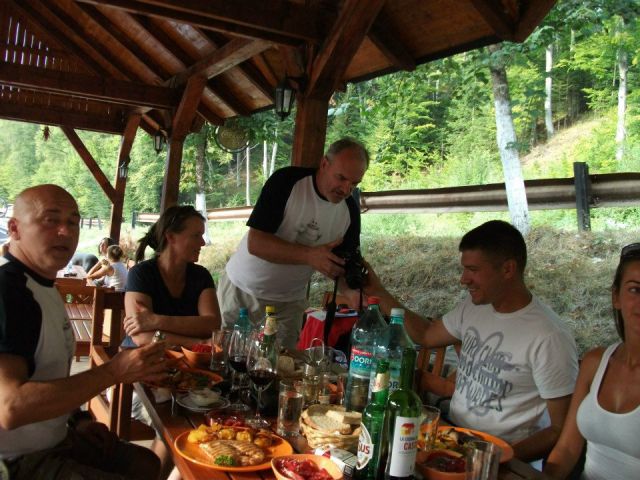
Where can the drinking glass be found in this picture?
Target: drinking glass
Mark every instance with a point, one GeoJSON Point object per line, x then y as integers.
{"type": "Point", "coordinates": [290, 400]}
{"type": "Point", "coordinates": [237, 353]}
{"type": "Point", "coordinates": [261, 368]}
{"type": "Point", "coordinates": [429, 419]}
{"type": "Point", "coordinates": [483, 460]}
{"type": "Point", "coordinates": [219, 351]}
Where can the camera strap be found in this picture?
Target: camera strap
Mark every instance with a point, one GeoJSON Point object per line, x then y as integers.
{"type": "Point", "coordinates": [331, 313]}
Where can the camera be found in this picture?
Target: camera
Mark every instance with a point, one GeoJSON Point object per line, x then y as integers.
{"type": "Point", "coordinates": [354, 269]}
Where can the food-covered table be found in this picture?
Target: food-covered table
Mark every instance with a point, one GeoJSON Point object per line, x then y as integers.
{"type": "Point", "coordinates": [171, 425]}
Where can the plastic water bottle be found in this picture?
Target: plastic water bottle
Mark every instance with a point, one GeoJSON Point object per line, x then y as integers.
{"type": "Point", "coordinates": [242, 323]}
{"type": "Point", "coordinates": [370, 325]}
{"type": "Point", "coordinates": [399, 341]}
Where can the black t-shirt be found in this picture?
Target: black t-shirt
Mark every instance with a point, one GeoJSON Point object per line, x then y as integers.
{"type": "Point", "coordinates": [145, 278]}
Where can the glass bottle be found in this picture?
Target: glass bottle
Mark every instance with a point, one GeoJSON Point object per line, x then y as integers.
{"type": "Point", "coordinates": [371, 428]}
{"type": "Point", "coordinates": [402, 422]}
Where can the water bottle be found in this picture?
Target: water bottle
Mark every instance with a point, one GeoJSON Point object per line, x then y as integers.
{"type": "Point", "coordinates": [370, 325]}
{"type": "Point", "coordinates": [399, 341]}
{"type": "Point", "coordinates": [242, 323]}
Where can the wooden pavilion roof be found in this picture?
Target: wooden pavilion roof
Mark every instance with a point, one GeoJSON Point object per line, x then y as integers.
{"type": "Point", "coordinates": [89, 64]}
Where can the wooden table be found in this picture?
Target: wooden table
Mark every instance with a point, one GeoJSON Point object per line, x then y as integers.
{"type": "Point", "coordinates": [170, 426]}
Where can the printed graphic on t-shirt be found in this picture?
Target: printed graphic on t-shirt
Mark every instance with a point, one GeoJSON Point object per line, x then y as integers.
{"type": "Point", "coordinates": [479, 372]}
{"type": "Point", "coordinates": [308, 234]}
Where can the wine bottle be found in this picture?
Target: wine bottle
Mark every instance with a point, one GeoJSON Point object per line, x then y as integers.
{"type": "Point", "coordinates": [370, 440]}
{"type": "Point", "coordinates": [402, 422]}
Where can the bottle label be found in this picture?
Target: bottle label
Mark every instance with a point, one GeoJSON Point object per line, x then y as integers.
{"type": "Point", "coordinates": [380, 382]}
{"type": "Point", "coordinates": [360, 363]}
{"type": "Point", "coordinates": [394, 377]}
{"type": "Point", "coordinates": [365, 448]}
{"type": "Point", "coordinates": [403, 448]}
{"type": "Point", "coordinates": [270, 326]}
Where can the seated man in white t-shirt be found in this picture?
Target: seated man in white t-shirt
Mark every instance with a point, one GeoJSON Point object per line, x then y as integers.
{"type": "Point", "coordinates": [518, 362]}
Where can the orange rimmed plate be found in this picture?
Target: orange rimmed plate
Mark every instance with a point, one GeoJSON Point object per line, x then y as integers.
{"type": "Point", "coordinates": [192, 452]}
{"type": "Point", "coordinates": [507, 450]}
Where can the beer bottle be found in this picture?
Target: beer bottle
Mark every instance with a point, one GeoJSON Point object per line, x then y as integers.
{"type": "Point", "coordinates": [402, 422]}
{"type": "Point", "coordinates": [370, 442]}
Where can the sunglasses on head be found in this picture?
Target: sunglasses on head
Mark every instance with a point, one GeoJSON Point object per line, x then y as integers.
{"type": "Point", "coordinates": [631, 250]}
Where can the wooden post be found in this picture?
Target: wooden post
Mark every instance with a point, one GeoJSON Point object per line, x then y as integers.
{"type": "Point", "coordinates": [121, 182]}
{"type": "Point", "coordinates": [310, 131]}
{"type": "Point", "coordinates": [583, 194]}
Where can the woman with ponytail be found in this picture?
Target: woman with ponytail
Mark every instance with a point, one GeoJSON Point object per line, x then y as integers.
{"type": "Point", "coordinates": [169, 292]}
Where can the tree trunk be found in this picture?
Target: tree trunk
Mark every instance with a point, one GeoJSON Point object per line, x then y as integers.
{"type": "Point", "coordinates": [622, 104]}
{"type": "Point", "coordinates": [248, 182]}
{"type": "Point", "coordinates": [238, 156]}
{"type": "Point", "coordinates": [548, 112]}
{"type": "Point", "coordinates": [265, 161]}
{"type": "Point", "coordinates": [201, 201]}
{"type": "Point", "coordinates": [506, 137]}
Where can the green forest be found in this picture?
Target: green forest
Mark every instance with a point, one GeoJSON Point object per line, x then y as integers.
{"type": "Point", "coordinates": [432, 127]}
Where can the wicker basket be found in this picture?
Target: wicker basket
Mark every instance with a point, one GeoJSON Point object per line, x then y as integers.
{"type": "Point", "coordinates": [319, 439]}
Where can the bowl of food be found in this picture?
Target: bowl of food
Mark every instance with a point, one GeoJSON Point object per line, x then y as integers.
{"type": "Point", "coordinates": [305, 466]}
{"type": "Point", "coordinates": [198, 355]}
{"type": "Point", "coordinates": [441, 464]}
{"type": "Point", "coordinates": [204, 396]}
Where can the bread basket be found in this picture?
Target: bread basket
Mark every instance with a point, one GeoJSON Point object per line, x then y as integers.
{"type": "Point", "coordinates": [321, 439]}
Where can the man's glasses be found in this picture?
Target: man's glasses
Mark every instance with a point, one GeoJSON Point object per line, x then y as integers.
{"type": "Point", "coordinates": [631, 250]}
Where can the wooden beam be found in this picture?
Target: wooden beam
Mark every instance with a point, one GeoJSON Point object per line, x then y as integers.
{"type": "Point", "coordinates": [211, 117]}
{"type": "Point", "coordinates": [121, 182]}
{"type": "Point", "coordinates": [90, 162]}
{"type": "Point", "coordinates": [219, 89]}
{"type": "Point", "coordinates": [98, 88]}
{"type": "Point", "coordinates": [279, 17]}
{"type": "Point", "coordinates": [197, 20]}
{"type": "Point", "coordinates": [221, 60]}
{"type": "Point", "coordinates": [188, 106]}
{"type": "Point", "coordinates": [181, 126]}
{"type": "Point", "coordinates": [44, 115]}
{"type": "Point", "coordinates": [310, 131]}
{"type": "Point", "coordinates": [494, 14]}
{"type": "Point", "coordinates": [344, 40]}
{"type": "Point", "coordinates": [532, 15]}
{"type": "Point", "coordinates": [386, 40]}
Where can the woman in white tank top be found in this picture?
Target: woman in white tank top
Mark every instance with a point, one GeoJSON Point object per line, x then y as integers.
{"type": "Point", "coordinates": [605, 408]}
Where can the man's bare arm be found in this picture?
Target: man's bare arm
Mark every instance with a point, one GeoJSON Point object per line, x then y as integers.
{"type": "Point", "coordinates": [23, 401]}
{"type": "Point", "coordinates": [541, 443]}
{"type": "Point", "coordinates": [276, 250]}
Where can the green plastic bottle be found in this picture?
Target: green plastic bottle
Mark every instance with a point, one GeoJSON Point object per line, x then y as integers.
{"type": "Point", "coordinates": [370, 440]}
{"type": "Point", "coordinates": [402, 423]}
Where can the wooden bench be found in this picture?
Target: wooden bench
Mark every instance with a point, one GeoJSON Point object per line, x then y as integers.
{"type": "Point", "coordinates": [78, 304]}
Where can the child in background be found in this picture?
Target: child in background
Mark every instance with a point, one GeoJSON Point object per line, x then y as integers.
{"type": "Point", "coordinates": [114, 272]}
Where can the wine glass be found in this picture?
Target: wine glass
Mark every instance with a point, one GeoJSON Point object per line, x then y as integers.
{"type": "Point", "coordinates": [261, 367]}
{"type": "Point", "coordinates": [238, 351]}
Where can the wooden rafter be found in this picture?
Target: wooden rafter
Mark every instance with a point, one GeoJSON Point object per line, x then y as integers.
{"type": "Point", "coordinates": [219, 61]}
{"type": "Point", "coordinates": [386, 39]}
{"type": "Point", "coordinates": [494, 13]}
{"type": "Point", "coordinates": [90, 162]}
{"type": "Point", "coordinates": [353, 23]}
{"type": "Point", "coordinates": [89, 86]}
{"type": "Point", "coordinates": [188, 106]}
{"type": "Point", "coordinates": [530, 17]}
{"type": "Point", "coordinates": [276, 20]}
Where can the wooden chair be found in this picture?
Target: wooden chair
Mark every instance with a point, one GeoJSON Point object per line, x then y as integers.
{"type": "Point", "coordinates": [116, 411]}
{"type": "Point", "coordinates": [431, 375]}
{"type": "Point", "coordinates": [78, 300]}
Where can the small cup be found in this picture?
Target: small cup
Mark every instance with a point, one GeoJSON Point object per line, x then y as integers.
{"type": "Point", "coordinates": [429, 419]}
{"type": "Point", "coordinates": [483, 460]}
{"type": "Point", "coordinates": [219, 350]}
{"type": "Point", "coordinates": [311, 389]}
{"type": "Point", "coordinates": [290, 402]}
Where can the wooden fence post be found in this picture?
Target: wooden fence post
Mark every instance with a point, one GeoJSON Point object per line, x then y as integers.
{"type": "Point", "coordinates": [583, 194]}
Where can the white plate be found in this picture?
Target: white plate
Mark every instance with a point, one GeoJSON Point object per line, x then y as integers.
{"type": "Point", "coordinates": [184, 401]}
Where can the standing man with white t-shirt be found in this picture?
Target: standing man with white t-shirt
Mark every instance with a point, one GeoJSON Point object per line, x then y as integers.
{"type": "Point", "coordinates": [304, 216]}
{"type": "Point", "coordinates": [518, 362]}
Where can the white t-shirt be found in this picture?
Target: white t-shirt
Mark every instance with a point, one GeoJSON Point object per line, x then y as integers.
{"type": "Point", "coordinates": [291, 207]}
{"type": "Point", "coordinates": [509, 364]}
{"type": "Point", "coordinates": [118, 281]}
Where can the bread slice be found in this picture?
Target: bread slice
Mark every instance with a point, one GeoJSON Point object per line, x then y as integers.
{"type": "Point", "coordinates": [351, 418]}
{"type": "Point", "coordinates": [316, 417]}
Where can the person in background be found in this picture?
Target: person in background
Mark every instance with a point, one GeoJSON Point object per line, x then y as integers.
{"type": "Point", "coordinates": [518, 361]}
{"type": "Point", "coordinates": [39, 436]}
{"type": "Point", "coordinates": [605, 408]}
{"type": "Point", "coordinates": [103, 261]}
{"type": "Point", "coordinates": [170, 292]}
{"type": "Point", "coordinates": [114, 272]}
{"type": "Point", "coordinates": [304, 220]}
